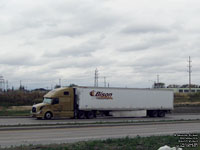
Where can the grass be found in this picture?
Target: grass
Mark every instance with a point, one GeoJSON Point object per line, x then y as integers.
{"type": "Point", "coordinates": [182, 97]}
{"type": "Point", "coordinates": [15, 113]}
{"type": "Point", "coordinates": [187, 100]}
{"type": "Point", "coordinates": [137, 143]}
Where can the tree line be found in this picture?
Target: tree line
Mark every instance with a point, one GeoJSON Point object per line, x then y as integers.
{"type": "Point", "coordinates": [20, 97]}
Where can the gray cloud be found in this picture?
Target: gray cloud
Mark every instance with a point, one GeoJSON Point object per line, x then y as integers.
{"type": "Point", "coordinates": [126, 40]}
{"type": "Point", "coordinates": [155, 41]}
{"type": "Point", "coordinates": [79, 50]}
{"type": "Point", "coordinates": [80, 62]}
{"type": "Point", "coordinates": [144, 28]}
{"type": "Point", "coordinates": [72, 51]}
{"type": "Point", "coordinates": [136, 47]}
{"type": "Point", "coordinates": [20, 60]}
{"type": "Point", "coordinates": [78, 20]}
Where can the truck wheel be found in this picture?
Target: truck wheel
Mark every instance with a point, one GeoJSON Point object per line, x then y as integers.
{"type": "Point", "coordinates": [153, 113]}
{"type": "Point", "coordinates": [102, 114]}
{"type": "Point", "coordinates": [107, 113]}
{"type": "Point", "coordinates": [75, 114]}
{"type": "Point", "coordinates": [90, 115]}
{"type": "Point", "coordinates": [161, 113]}
{"type": "Point", "coordinates": [81, 115]}
{"type": "Point", "coordinates": [48, 115]}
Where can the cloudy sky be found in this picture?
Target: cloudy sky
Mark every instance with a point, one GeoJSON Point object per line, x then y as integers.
{"type": "Point", "coordinates": [130, 42]}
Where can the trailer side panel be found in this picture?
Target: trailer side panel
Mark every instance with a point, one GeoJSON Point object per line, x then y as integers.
{"type": "Point", "coordinates": [90, 98]}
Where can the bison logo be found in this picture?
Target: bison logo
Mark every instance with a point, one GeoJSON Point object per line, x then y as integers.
{"type": "Point", "coordinates": [101, 95]}
{"type": "Point", "coordinates": [92, 93]}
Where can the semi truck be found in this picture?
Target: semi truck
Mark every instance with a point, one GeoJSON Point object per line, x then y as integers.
{"type": "Point", "coordinates": [89, 102]}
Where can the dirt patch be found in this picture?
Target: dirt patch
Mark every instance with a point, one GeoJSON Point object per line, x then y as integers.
{"type": "Point", "coordinates": [1, 108]}
{"type": "Point", "coordinates": [187, 103]}
{"type": "Point", "coordinates": [187, 109]}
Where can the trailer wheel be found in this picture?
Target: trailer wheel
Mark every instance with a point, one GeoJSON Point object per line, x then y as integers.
{"type": "Point", "coordinates": [107, 113]}
{"type": "Point", "coordinates": [102, 114]}
{"type": "Point", "coordinates": [90, 115]}
{"type": "Point", "coordinates": [161, 113]}
{"type": "Point", "coordinates": [48, 115]}
{"type": "Point", "coordinates": [153, 113]}
{"type": "Point", "coordinates": [81, 115]}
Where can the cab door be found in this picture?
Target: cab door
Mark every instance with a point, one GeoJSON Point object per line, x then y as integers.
{"type": "Point", "coordinates": [56, 107]}
{"type": "Point", "coordinates": [67, 103]}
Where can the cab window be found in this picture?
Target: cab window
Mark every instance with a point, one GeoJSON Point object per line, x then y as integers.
{"type": "Point", "coordinates": [55, 101]}
{"type": "Point", "coordinates": [66, 93]}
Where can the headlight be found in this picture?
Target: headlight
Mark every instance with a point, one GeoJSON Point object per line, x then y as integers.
{"type": "Point", "coordinates": [33, 109]}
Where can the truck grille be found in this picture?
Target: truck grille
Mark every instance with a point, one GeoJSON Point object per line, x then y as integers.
{"type": "Point", "coordinates": [33, 109]}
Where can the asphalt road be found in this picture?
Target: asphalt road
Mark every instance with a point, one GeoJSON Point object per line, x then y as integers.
{"type": "Point", "coordinates": [68, 135]}
{"type": "Point", "coordinates": [30, 121]}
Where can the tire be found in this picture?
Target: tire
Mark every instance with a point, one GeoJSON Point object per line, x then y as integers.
{"type": "Point", "coordinates": [153, 113]}
{"type": "Point", "coordinates": [107, 113]}
{"type": "Point", "coordinates": [81, 115]}
{"type": "Point", "coordinates": [90, 115]}
{"type": "Point", "coordinates": [161, 113]}
{"type": "Point", "coordinates": [102, 114]}
{"type": "Point", "coordinates": [48, 115]}
{"type": "Point", "coordinates": [75, 114]}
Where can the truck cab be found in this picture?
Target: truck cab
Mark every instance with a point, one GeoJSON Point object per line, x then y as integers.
{"type": "Point", "coordinates": [56, 103]}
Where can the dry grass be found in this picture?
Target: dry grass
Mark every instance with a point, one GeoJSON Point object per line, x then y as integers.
{"type": "Point", "coordinates": [15, 111]}
{"type": "Point", "coordinates": [187, 103]}
{"type": "Point", "coordinates": [19, 108]}
{"type": "Point", "coordinates": [182, 99]}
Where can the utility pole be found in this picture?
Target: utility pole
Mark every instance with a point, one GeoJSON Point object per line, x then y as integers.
{"type": "Point", "coordinates": [60, 82]}
{"type": "Point", "coordinates": [96, 78]}
{"type": "Point", "coordinates": [1, 83]}
{"type": "Point", "coordinates": [6, 85]}
{"type": "Point", "coordinates": [158, 78]}
{"type": "Point", "coordinates": [21, 88]}
{"type": "Point", "coordinates": [104, 81]}
{"type": "Point", "coordinates": [189, 71]}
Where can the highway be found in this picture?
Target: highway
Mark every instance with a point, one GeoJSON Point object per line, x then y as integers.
{"type": "Point", "coordinates": [32, 121]}
{"type": "Point", "coordinates": [67, 135]}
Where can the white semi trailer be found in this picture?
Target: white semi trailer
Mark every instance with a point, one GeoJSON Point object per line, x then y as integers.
{"type": "Point", "coordinates": [87, 102]}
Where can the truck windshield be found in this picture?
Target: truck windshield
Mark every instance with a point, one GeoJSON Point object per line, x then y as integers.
{"type": "Point", "coordinates": [47, 100]}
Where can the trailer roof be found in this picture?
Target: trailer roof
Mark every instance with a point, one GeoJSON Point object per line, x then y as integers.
{"type": "Point", "coordinates": [163, 89]}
